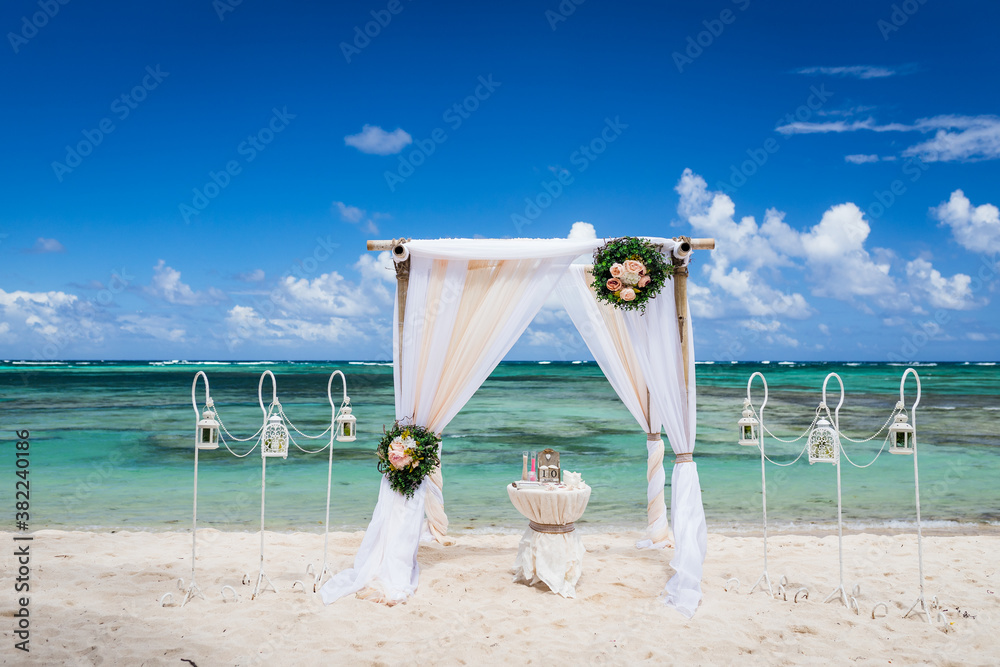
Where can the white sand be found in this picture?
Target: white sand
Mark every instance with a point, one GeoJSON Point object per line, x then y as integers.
{"type": "Point", "coordinates": [94, 600]}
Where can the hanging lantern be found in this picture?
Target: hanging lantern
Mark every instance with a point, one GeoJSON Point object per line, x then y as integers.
{"type": "Point", "coordinates": [824, 444]}
{"type": "Point", "coordinates": [901, 436]}
{"type": "Point", "coordinates": [748, 427]}
{"type": "Point", "coordinates": [274, 440]}
{"type": "Point", "coordinates": [206, 432]}
{"type": "Point", "coordinates": [346, 423]}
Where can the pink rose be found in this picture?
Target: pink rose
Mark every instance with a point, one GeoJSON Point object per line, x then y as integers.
{"type": "Point", "coordinates": [614, 284]}
{"type": "Point", "coordinates": [644, 280]}
{"type": "Point", "coordinates": [617, 270]}
{"type": "Point", "coordinates": [399, 460]}
{"type": "Point", "coordinates": [634, 266]}
{"type": "Point", "coordinates": [627, 294]}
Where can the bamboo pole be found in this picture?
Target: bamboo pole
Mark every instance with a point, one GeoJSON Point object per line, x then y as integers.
{"type": "Point", "coordinates": [386, 244]}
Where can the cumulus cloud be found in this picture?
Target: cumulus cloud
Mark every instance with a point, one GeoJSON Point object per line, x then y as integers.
{"type": "Point", "coordinates": [328, 308]}
{"type": "Point", "coordinates": [951, 293]}
{"type": "Point", "coordinates": [582, 231]}
{"type": "Point", "coordinates": [49, 322]}
{"type": "Point", "coordinates": [742, 252]}
{"type": "Point", "coordinates": [167, 285]}
{"type": "Point", "coordinates": [975, 228]}
{"type": "Point", "coordinates": [44, 245]}
{"type": "Point", "coordinates": [856, 71]}
{"type": "Point", "coordinates": [374, 140]}
{"type": "Point", "coordinates": [860, 158]}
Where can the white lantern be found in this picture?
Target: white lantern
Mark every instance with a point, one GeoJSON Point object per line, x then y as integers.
{"type": "Point", "coordinates": [346, 424]}
{"type": "Point", "coordinates": [748, 429]}
{"type": "Point", "coordinates": [824, 444]}
{"type": "Point", "coordinates": [206, 432]}
{"type": "Point", "coordinates": [274, 440]}
{"type": "Point", "coordinates": [901, 436]}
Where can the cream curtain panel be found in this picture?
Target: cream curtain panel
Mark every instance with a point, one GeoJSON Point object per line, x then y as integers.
{"type": "Point", "coordinates": [467, 303]}
{"type": "Point", "coordinates": [656, 341]}
{"type": "Point", "coordinates": [602, 327]}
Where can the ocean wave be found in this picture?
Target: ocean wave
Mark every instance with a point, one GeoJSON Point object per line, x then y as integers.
{"type": "Point", "coordinates": [255, 363]}
{"type": "Point", "coordinates": [786, 363]}
{"type": "Point", "coordinates": [544, 363]}
{"type": "Point", "coordinates": [369, 363]}
{"type": "Point", "coordinates": [853, 363]}
{"type": "Point", "coordinates": [985, 363]}
{"type": "Point", "coordinates": [40, 363]}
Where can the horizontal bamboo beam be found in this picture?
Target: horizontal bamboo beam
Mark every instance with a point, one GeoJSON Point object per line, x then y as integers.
{"type": "Point", "coordinates": [696, 244]}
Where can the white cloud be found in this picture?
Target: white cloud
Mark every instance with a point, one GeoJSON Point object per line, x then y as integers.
{"type": "Point", "coordinates": [860, 158]}
{"type": "Point", "coordinates": [255, 276]}
{"type": "Point", "coordinates": [162, 328]}
{"type": "Point", "coordinates": [857, 71]}
{"type": "Point", "coordinates": [582, 231]}
{"type": "Point", "coordinates": [951, 293]}
{"type": "Point", "coordinates": [349, 213]}
{"type": "Point", "coordinates": [374, 140]}
{"type": "Point", "coordinates": [956, 139]}
{"type": "Point", "coordinates": [356, 216]}
{"type": "Point", "coordinates": [976, 228]}
{"type": "Point", "coordinates": [44, 245]}
{"type": "Point", "coordinates": [824, 329]}
{"type": "Point", "coordinates": [49, 321]}
{"type": "Point", "coordinates": [245, 324]}
{"type": "Point", "coordinates": [839, 264]}
{"type": "Point", "coordinates": [742, 252]}
{"type": "Point", "coordinates": [167, 285]}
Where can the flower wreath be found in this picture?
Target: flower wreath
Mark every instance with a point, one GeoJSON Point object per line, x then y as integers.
{"type": "Point", "coordinates": [629, 271]}
{"type": "Point", "coordinates": [407, 454]}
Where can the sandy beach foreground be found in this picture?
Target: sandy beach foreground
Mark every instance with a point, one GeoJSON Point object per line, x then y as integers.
{"type": "Point", "coordinates": [94, 599]}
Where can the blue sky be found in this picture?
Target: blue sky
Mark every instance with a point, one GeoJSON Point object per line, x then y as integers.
{"type": "Point", "coordinates": [198, 179]}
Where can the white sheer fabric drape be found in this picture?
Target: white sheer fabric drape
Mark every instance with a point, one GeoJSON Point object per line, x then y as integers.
{"type": "Point", "coordinates": [656, 341]}
{"type": "Point", "coordinates": [467, 303]}
{"type": "Point", "coordinates": [603, 329]}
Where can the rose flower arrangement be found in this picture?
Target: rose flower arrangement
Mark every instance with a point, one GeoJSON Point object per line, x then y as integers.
{"type": "Point", "coordinates": [628, 272]}
{"type": "Point", "coordinates": [407, 454]}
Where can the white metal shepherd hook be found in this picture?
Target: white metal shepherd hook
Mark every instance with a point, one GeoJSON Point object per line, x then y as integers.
{"type": "Point", "coordinates": [764, 578]}
{"type": "Point", "coordinates": [261, 577]}
{"type": "Point", "coordinates": [840, 516]}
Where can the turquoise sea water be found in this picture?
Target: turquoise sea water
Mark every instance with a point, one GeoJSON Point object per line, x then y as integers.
{"type": "Point", "coordinates": [112, 446]}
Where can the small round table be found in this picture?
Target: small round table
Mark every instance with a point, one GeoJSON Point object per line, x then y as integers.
{"type": "Point", "coordinates": [550, 550]}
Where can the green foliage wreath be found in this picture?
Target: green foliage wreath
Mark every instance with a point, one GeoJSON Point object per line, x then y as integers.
{"type": "Point", "coordinates": [629, 271]}
{"type": "Point", "coordinates": [407, 454]}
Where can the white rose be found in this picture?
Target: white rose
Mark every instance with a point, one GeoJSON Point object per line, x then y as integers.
{"type": "Point", "coordinates": [630, 278]}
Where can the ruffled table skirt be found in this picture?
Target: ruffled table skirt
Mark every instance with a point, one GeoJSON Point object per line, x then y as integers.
{"type": "Point", "coordinates": [552, 558]}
